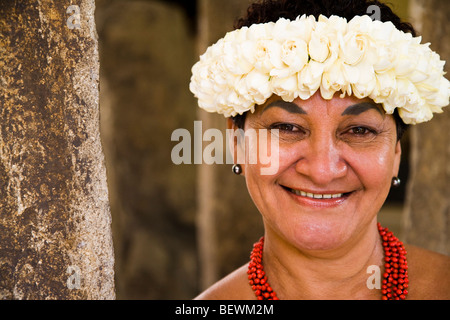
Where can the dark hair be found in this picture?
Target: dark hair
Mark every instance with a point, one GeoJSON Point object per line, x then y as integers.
{"type": "Point", "coordinates": [271, 10]}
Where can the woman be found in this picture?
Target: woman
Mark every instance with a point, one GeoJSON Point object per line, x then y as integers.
{"type": "Point", "coordinates": [336, 91]}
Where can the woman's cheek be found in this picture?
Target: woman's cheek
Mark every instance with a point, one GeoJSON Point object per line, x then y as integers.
{"type": "Point", "coordinates": [270, 156]}
{"type": "Point", "coordinates": [373, 167]}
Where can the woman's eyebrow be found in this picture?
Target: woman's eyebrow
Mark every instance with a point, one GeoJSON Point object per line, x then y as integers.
{"type": "Point", "coordinates": [359, 108]}
{"type": "Point", "coordinates": [288, 106]}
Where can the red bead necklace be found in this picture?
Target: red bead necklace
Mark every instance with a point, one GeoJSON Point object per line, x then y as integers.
{"type": "Point", "coordinates": [395, 277]}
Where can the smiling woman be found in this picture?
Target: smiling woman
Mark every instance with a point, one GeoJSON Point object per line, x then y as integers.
{"type": "Point", "coordinates": [338, 98]}
{"type": "Point", "coordinates": [335, 171]}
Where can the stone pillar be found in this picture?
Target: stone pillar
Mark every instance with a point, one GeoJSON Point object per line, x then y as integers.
{"type": "Point", "coordinates": [426, 220]}
{"type": "Point", "coordinates": [228, 223]}
{"type": "Point", "coordinates": [55, 236]}
{"type": "Point", "coordinates": [146, 54]}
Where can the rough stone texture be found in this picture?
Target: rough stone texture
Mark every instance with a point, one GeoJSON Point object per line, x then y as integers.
{"type": "Point", "coordinates": [146, 53]}
{"type": "Point", "coordinates": [228, 221]}
{"type": "Point", "coordinates": [55, 236]}
{"type": "Point", "coordinates": [427, 213]}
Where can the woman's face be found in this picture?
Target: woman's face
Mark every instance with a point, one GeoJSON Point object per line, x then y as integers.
{"type": "Point", "coordinates": [336, 160]}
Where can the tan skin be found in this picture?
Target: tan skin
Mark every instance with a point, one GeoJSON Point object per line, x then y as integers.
{"type": "Point", "coordinates": [321, 248]}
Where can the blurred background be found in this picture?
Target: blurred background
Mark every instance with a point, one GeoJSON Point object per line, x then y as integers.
{"type": "Point", "coordinates": [176, 228]}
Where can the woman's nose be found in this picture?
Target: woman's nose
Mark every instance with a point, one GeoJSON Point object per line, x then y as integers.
{"type": "Point", "coordinates": [322, 160]}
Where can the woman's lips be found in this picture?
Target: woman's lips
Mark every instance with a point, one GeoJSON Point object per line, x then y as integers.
{"type": "Point", "coordinates": [316, 195]}
{"type": "Point", "coordinates": [327, 198]}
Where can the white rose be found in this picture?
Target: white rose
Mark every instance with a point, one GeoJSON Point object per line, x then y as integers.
{"type": "Point", "coordinates": [303, 26]}
{"type": "Point", "coordinates": [333, 80]}
{"type": "Point", "coordinates": [202, 85]}
{"type": "Point", "coordinates": [257, 86]}
{"type": "Point", "coordinates": [282, 30]}
{"type": "Point", "coordinates": [354, 46]}
{"type": "Point", "coordinates": [383, 33]}
{"type": "Point", "coordinates": [294, 55]}
{"type": "Point", "coordinates": [403, 94]}
{"type": "Point", "coordinates": [366, 83]}
{"type": "Point", "coordinates": [385, 85]}
{"type": "Point", "coordinates": [232, 102]}
{"type": "Point", "coordinates": [428, 74]}
{"type": "Point", "coordinates": [387, 57]}
{"type": "Point", "coordinates": [319, 47]}
{"type": "Point", "coordinates": [286, 88]}
{"type": "Point", "coordinates": [238, 35]}
{"type": "Point", "coordinates": [335, 23]}
{"type": "Point", "coordinates": [309, 79]}
{"type": "Point", "coordinates": [407, 54]}
{"type": "Point", "coordinates": [425, 65]}
{"type": "Point", "coordinates": [267, 55]}
{"type": "Point", "coordinates": [260, 31]}
{"type": "Point", "coordinates": [438, 97]}
{"type": "Point", "coordinates": [233, 61]}
{"type": "Point", "coordinates": [361, 24]}
{"type": "Point", "coordinates": [300, 28]}
{"type": "Point", "coordinates": [323, 46]}
{"type": "Point", "coordinates": [417, 113]}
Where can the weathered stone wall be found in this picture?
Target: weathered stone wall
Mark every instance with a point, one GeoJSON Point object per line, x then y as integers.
{"type": "Point", "coordinates": [427, 213]}
{"type": "Point", "coordinates": [146, 53]}
{"type": "Point", "coordinates": [55, 236]}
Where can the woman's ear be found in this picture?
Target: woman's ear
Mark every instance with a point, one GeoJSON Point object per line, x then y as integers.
{"type": "Point", "coordinates": [397, 159]}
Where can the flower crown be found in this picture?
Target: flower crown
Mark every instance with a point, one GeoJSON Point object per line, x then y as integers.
{"type": "Point", "coordinates": [296, 58]}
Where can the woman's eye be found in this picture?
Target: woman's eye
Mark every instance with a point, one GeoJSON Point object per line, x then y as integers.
{"type": "Point", "coordinates": [285, 127]}
{"type": "Point", "coordinates": [360, 130]}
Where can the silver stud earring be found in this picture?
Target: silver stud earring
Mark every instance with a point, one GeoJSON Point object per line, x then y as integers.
{"type": "Point", "coordinates": [237, 169]}
{"type": "Point", "coordinates": [396, 182]}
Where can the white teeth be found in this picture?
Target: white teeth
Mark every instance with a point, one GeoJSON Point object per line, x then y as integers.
{"type": "Point", "coordinates": [316, 196]}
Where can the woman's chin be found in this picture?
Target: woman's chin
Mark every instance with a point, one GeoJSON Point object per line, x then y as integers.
{"type": "Point", "coordinates": [316, 237]}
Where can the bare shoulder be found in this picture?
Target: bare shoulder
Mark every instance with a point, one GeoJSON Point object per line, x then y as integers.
{"type": "Point", "coordinates": [233, 287]}
{"type": "Point", "coordinates": [429, 274]}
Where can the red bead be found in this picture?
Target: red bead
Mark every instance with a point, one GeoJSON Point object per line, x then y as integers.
{"type": "Point", "coordinates": [395, 278]}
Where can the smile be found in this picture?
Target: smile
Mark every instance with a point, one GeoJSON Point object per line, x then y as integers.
{"type": "Point", "coordinates": [317, 195]}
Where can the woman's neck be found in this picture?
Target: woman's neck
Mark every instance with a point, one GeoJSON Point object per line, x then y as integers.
{"type": "Point", "coordinates": [334, 274]}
